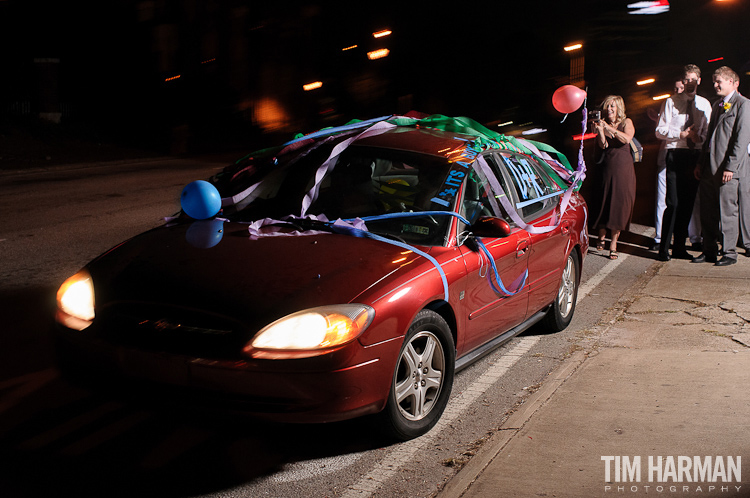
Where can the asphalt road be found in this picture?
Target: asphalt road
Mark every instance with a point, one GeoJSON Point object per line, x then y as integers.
{"type": "Point", "coordinates": [58, 439]}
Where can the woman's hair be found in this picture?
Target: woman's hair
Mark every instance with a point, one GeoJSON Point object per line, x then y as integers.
{"type": "Point", "coordinates": [620, 106]}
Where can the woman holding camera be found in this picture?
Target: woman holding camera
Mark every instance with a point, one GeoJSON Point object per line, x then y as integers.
{"type": "Point", "coordinates": [617, 189]}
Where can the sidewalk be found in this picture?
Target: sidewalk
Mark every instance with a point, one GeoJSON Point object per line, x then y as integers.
{"type": "Point", "coordinates": [669, 377]}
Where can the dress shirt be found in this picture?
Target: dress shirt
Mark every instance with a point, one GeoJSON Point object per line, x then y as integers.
{"type": "Point", "coordinates": [673, 117]}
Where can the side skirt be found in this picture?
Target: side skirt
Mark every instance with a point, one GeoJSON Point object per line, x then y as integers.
{"type": "Point", "coordinates": [488, 347]}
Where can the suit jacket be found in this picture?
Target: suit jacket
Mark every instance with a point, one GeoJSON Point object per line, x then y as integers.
{"type": "Point", "coordinates": [726, 146]}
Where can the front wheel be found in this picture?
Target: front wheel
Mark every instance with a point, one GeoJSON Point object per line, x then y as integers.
{"type": "Point", "coordinates": [561, 312]}
{"type": "Point", "coordinates": [423, 378]}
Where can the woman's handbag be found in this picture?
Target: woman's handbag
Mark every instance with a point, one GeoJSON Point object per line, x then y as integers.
{"type": "Point", "coordinates": [636, 149]}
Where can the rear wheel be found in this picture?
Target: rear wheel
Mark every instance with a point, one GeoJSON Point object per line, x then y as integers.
{"type": "Point", "coordinates": [561, 312]}
{"type": "Point", "coordinates": [423, 378]}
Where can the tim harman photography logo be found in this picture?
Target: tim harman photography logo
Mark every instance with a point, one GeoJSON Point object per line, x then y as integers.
{"type": "Point", "coordinates": [673, 474]}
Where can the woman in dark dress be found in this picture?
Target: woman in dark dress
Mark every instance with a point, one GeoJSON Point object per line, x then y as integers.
{"type": "Point", "coordinates": [617, 189]}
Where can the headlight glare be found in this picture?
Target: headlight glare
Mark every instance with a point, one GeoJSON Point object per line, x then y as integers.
{"type": "Point", "coordinates": [75, 301]}
{"type": "Point", "coordinates": [311, 332]}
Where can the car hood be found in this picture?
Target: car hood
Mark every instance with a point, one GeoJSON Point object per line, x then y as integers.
{"type": "Point", "coordinates": [217, 267]}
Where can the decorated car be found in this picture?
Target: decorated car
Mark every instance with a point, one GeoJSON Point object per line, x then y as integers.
{"type": "Point", "coordinates": [348, 272]}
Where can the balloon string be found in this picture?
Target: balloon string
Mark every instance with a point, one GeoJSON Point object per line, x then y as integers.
{"type": "Point", "coordinates": [564, 118]}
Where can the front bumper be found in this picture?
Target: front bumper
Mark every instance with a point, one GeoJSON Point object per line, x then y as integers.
{"type": "Point", "coordinates": [309, 390]}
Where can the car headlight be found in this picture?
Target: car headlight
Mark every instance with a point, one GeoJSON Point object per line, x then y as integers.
{"type": "Point", "coordinates": [75, 301]}
{"type": "Point", "coordinates": [311, 332]}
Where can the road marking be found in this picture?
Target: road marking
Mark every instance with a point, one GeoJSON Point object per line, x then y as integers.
{"type": "Point", "coordinates": [608, 268]}
{"type": "Point", "coordinates": [404, 452]}
{"type": "Point", "coordinates": [591, 283]}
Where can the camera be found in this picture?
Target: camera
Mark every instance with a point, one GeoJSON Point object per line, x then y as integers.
{"type": "Point", "coordinates": [595, 115]}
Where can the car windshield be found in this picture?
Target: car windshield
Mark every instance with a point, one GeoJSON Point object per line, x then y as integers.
{"type": "Point", "coordinates": [362, 182]}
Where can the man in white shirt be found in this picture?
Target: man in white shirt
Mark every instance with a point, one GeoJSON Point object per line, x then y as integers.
{"type": "Point", "coordinates": [683, 126]}
{"type": "Point", "coordinates": [661, 177]}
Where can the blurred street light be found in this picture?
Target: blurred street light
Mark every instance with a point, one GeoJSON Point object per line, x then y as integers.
{"type": "Point", "coordinates": [661, 97]}
{"type": "Point", "coordinates": [381, 34]}
{"type": "Point", "coordinates": [649, 7]}
{"type": "Point", "coordinates": [378, 54]}
{"type": "Point", "coordinates": [534, 131]}
{"type": "Point", "coordinates": [312, 86]}
{"type": "Point", "coordinates": [575, 46]}
{"type": "Point", "coordinates": [587, 136]}
{"type": "Point", "coordinates": [647, 81]}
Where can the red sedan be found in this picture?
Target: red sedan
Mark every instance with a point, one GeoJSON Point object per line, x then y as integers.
{"type": "Point", "coordinates": [348, 272]}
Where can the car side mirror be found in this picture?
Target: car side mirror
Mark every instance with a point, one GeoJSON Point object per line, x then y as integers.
{"type": "Point", "coordinates": [488, 226]}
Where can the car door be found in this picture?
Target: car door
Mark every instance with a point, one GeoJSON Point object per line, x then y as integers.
{"type": "Point", "coordinates": [489, 311]}
{"type": "Point", "coordinates": [538, 199]}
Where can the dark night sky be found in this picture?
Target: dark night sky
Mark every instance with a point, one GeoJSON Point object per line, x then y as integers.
{"type": "Point", "coordinates": [480, 59]}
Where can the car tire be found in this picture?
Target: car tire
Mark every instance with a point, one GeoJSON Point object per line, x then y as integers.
{"type": "Point", "coordinates": [423, 378]}
{"type": "Point", "coordinates": [561, 312]}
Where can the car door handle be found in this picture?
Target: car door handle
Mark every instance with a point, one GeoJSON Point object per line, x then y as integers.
{"type": "Point", "coordinates": [521, 248]}
{"type": "Point", "coordinates": [565, 228]}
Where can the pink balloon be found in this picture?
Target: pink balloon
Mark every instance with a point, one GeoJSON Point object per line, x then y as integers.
{"type": "Point", "coordinates": [568, 98]}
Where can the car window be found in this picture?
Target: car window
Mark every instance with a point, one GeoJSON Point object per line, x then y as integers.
{"type": "Point", "coordinates": [361, 182]}
{"type": "Point", "coordinates": [478, 196]}
{"type": "Point", "coordinates": [533, 190]}
{"type": "Point", "coordinates": [475, 201]}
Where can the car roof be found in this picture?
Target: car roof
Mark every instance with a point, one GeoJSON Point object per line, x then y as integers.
{"type": "Point", "coordinates": [420, 140]}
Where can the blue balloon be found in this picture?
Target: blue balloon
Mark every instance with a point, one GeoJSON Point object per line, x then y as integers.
{"type": "Point", "coordinates": [204, 234]}
{"type": "Point", "coordinates": [200, 200]}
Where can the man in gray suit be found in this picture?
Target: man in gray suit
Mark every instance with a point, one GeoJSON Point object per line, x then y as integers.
{"type": "Point", "coordinates": [744, 202]}
{"type": "Point", "coordinates": [724, 161]}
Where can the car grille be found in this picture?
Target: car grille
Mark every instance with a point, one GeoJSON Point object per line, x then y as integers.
{"type": "Point", "coordinates": [174, 330]}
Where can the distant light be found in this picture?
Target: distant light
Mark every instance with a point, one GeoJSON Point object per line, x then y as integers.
{"type": "Point", "coordinates": [349, 48]}
{"type": "Point", "coordinates": [269, 115]}
{"type": "Point", "coordinates": [587, 136]}
{"type": "Point", "coordinates": [381, 34]}
{"type": "Point", "coordinates": [209, 60]}
{"type": "Point", "coordinates": [645, 82]}
{"type": "Point", "coordinates": [717, 59]}
{"type": "Point", "coordinates": [661, 97]}
{"type": "Point", "coordinates": [570, 48]}
{"type": "Point", "coordinates": [312, 86]}
{"type": "Point", "coordinates": [173, 78]}
{"type": "Point", "coordinates": [378, 54]}
{"type": "Point", "coordinates": [533, 131]}
{"type": "Point", "coordinates": [505, 124]}
{"type": "Point", "coordinates": [649, 8]}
